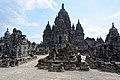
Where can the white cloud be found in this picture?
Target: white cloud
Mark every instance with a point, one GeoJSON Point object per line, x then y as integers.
{"type": "Point", "coordinates": [92, 30]}
{"type": "Point", "coordinates": [33, 24]}
{"type": "Point", "coordinates": [14, 11]}
{"type": "Point", "coordinates": [21, 21]}
{"type": "Point", "coordinates": [13, 14]}
{"type": "Point", "coordinates": [93, 1]}
{"type": "Point", "coordinates": [31, 4]}
{"type": "Point", "coordinates": [113, 17]}
{"type": "Point", "coordinates": [105, 18]}
{"type": "Point", "coordinates": [36, 37]}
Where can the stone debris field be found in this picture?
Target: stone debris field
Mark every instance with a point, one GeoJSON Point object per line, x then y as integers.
{"type": "Point", "coordinates": [29, 72]}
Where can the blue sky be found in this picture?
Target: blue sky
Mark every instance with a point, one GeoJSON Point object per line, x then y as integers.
{"type": "Point", "coordinates": [31, 16]}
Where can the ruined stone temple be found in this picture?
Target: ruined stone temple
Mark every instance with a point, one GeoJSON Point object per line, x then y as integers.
{"type": "Point", "coordinates": [14, 45]}
{"type": "Point", "coordinates": [110, 49]}
{"type": "Point", "coordinates": [62, 32]}
{"type": "Point", "coordinates": [106, 55]}
{"type": "Point", "coordinates": [15, 49]}
{"type": "Point", "coordinates": [113, 36]}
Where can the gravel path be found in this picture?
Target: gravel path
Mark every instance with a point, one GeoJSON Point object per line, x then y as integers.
{"type": "Point", "coordinates": [29, 72]}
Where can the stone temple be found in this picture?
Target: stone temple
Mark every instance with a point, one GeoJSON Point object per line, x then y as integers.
{"type": "Point", "coordinates": [66, 47]}
{"type": "Point", "coordinates": [64, 41]}
{"type": "Point", "coordinates": [62, 33]}
{"type": "Point", "coordinates": [15, 49]}
{"type": "Point", "coordinates": [105, 56]}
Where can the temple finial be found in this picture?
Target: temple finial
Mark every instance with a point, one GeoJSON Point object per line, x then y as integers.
{"type": "Point", "coordinates": [78, 21]}
{"type": "Point", "coordinates": [113, 24]}
{"type": "Point", "coordinates": [62, 5]}
{"type": "Point", "coordinates": [7, 29]}
{"type": "Point", "coordinates": [48, 22]}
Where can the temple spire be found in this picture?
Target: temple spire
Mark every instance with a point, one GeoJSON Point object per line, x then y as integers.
{"type": "Point", "coordinates": [48, 22]}
{"type": "Point", "coordinates": [79, 27]}
{"type": "Point", "coordinates": [73, 27]}
{"type": "Point", "coordinates": [48, 27]}
{"type": "Point", "coordinates": [62, 5]}
{"type": "Point", "coordinates": [7, 29]}
{"type": "Point", "coordinates": [113, 25]}
{"type": "Point", "coordinates": [78, 21]}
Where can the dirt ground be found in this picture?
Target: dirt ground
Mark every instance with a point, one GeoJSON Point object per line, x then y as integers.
{"type": "Point", "coordinates": [27, 71]}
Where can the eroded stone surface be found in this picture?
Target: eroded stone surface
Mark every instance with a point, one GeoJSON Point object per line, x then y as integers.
{"type": "Point", "coordinates": [29, 72]}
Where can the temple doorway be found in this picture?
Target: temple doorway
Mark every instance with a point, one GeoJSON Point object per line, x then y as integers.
{"type": "Point", "coordinates": [60, 39]}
